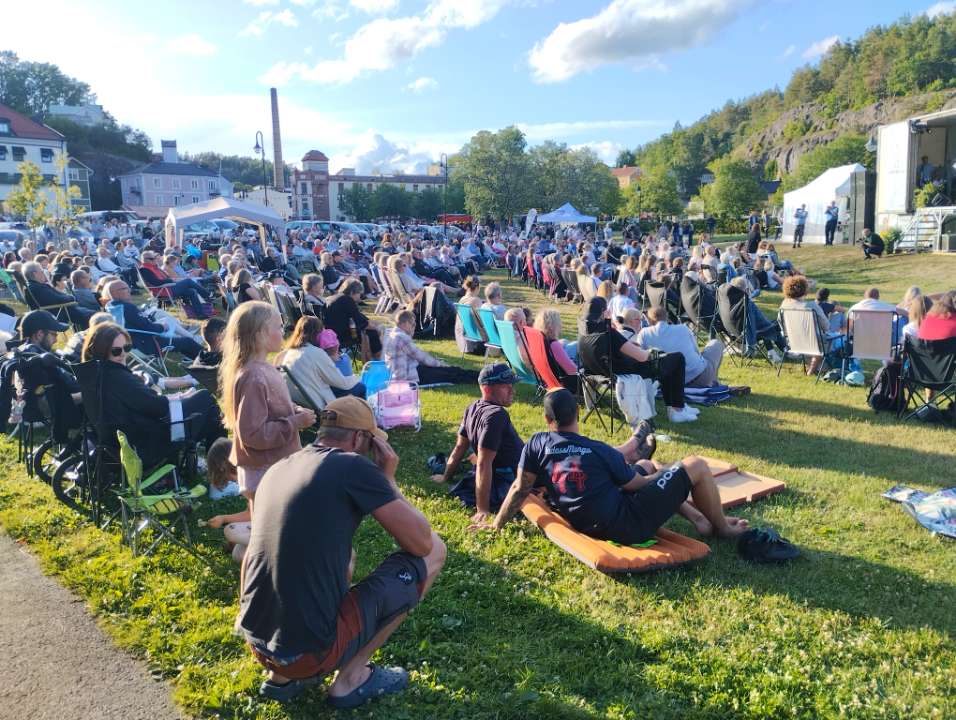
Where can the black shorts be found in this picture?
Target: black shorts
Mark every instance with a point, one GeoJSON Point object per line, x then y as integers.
{"type": "Point", "coordinates": [648, 508]}
{"type": "Point", "coordinates": [393, 588]}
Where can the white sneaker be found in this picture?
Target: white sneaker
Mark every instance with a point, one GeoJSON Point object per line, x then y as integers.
{"type": "Point", "coordinates": [775, 357]}
{"type": "Point", "coordinates": [692, 410]}
{"type": "Point", "coordinates": [680, 416]}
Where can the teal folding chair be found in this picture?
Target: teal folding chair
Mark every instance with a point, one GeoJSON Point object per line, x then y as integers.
{"type": "Point", "coordinates": [487, 317]}
{"type": "Point", "coordinates": [509, 346]}
{"type": "Point", "coordinates": [469, 326]}
{"type": "Point", "coordinates": [375, 376]}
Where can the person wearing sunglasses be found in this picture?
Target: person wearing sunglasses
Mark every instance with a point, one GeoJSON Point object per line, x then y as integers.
{"type": "Point", "coordinates": [142, 413]}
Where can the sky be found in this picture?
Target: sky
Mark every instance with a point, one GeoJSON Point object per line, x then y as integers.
{"type": "Point", "coordinates": [388, 85]}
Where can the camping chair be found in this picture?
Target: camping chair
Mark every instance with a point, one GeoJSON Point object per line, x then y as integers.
{"type": "Point", "coordinates": [509, 346]}
{"type": "Point", "coordinates": [299, 395]}
{"type": "Point", "coordinates": [871, 335]}
{"type": "Point", "coordinates": [700, 306]}
{"type": "Point", "coordinates": [162, 294]}
{"type": "Point", "coordinates": [11, 286]}
{"type": "Point", "coordinates": [804, 337]}
{"type": "Point", "coordinates": [655, 295]}
{"type": "Point", "coordinates": [541, 359]}
{"type": "Point", "coordinates": [928, 365]}
{"type": "Point", "coordinates": [153, 362]}
{"type": "Point", "coordinates": [597, 380]}
{"type": "Point", "coordinates": [469, 326]}
{"type": "Point", "coordinates": [59, 310]}
{"type": "Point", "coordinates": [139, 511]}
{"type": "Point", "coordinates": [571, 280]}
{"type": "Point", "coordinates": [487, 317]}
{"type": "Point", "coordinates": [585, 286]}
{"type": "Point", "coordinates": [732, 313]}
{"type": "Point", "coordinates": [386, 299]}
{"type": "Point", "coordinates": [397, 403]}
{"type": "Point", "coordinates": [375, 376]}
{"type": "Point", "coordinates": [229, 298]}
{"type": "Point", "coordinates": [206, 376]}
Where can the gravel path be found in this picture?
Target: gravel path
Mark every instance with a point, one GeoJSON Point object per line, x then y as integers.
{"type": "Point", "coordinates": [57, 663]}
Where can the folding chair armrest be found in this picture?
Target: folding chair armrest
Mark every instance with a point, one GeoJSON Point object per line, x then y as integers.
{"type": "Point", "coordinates": [157, 475]}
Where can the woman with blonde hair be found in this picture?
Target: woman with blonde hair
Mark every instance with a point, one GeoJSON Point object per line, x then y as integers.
{"type": "Point", "coordinates": [256, 407]}
{"type": "Point", "coordinates": [548, 321]}
{"type": "Point", "coordinates": [471, 298]}
{"type": "Point", "coordinates": [243, 288]}
{"type": "Point", "coordinates": [605, 290]}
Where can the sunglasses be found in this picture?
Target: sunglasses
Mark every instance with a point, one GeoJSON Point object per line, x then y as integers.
{"type": "Point", "coordinates": [117, 351]}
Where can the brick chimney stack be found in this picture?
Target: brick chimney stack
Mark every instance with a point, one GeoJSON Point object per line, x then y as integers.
{"type": "Point", "coordinates": [278, 167]}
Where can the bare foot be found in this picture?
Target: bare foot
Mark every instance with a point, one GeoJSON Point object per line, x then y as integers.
{"type": "Point", "coordinates": [735, 526]}
{"type": "Point", "coordinates": [703, 526]}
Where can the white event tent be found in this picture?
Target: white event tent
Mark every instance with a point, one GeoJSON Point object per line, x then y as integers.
{"type": "Point", "coordinates": [834, 184]}
{"type": "Point", "coordinates": [565, 215]}
{"type": "Point", "coordinates": [261, 216]}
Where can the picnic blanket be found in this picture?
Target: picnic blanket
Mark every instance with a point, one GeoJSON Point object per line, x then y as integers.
{"type": "Point", "coordinates": [934, 511]}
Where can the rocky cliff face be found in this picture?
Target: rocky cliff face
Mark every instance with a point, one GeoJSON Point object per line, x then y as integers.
{"type": "Point", "coordinates": [772, 143]}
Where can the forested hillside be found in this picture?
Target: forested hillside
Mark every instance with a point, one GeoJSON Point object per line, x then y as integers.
{"type": "Point", "coordinates": [888, 74]}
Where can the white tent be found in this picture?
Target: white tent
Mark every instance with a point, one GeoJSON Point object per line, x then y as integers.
{"type": "Point", "coordinates": [834, 184]}
{"type": "Point", "coordinates": [221, 207]}
{"type": "Point", "coordinates": [566, 215]}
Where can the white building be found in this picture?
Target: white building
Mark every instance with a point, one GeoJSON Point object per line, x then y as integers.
{"type": "Point", "coordinates": [346, 178]}
{"type": "Point", "coordinates": [279, 200]}
{"type": "Point", "coordinates": [152, 189]}
{"type": "Point", "coordinates": [23, 139]}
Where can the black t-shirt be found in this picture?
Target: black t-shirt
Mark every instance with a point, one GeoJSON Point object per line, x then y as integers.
{"type": "Point", "coordinates": [308, 508]}
{"type": "Point", "coordinates": [582, 479]}
{"type": "Point", "coordinates": [597, 348]}
{"type": "Point", "coordinates": [488, 426]}
{"type": "Point", "coordinates": [827, 307]}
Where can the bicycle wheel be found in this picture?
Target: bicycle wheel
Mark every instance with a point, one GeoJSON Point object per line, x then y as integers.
{"type": "Point", "coordinates": [70, 485]}
{"type": "Point", "coordinates": [43, 460]}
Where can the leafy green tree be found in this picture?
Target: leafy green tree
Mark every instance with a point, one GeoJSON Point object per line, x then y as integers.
{"type": "Point", "coordinates": [427, 204]}
{"type": "Point", "coordinates": [496, 173]}
{"type": "Point", "coordinates": [31, 87]}
{"type": "Point", "coordinates": [842, 151]}
{"type": "Point", "coordinates": [625, 158]}
{"type": "Point", "coordinates": [237, 168]}
{"type": "Point", "coordinates": [28, 200]}
{"type": "Point", "coordinates": [356, 203]}
{"type": "Point", "coordinates": [735, 190]}
{"type": "Point", "coordinates": [390, 201]}
{"type": "Point", "coordinates": [64, 213]}
{"type": "Point", "coordinates": [658, 193]}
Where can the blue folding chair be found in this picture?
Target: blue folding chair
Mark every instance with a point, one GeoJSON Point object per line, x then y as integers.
{"type": "Point", "coordinates": [375, 376]}
{"type": "Point", "coordinates": [155, 362]}
{"type": "Point", "coordinates": [509, 346]}
{"type": "Point", "coordinates": [487, 317]}
{"type": "Point", "coordinates": [469, 326]}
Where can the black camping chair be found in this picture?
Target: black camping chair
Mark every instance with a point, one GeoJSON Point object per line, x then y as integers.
{"type": "Point", "coordinates": [699, 302]}
{"type": "Point", "coordinates": [597, 380]}
{"type": "Point", "coordinates": [928, 365]}
{"type": "Point", "coordinates": [732, 311]}
{"type": "Point", "coordinates": [655, 295]}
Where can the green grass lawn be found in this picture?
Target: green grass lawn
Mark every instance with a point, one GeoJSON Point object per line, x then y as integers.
{"type": "Point", "coordinates": [862, 627]}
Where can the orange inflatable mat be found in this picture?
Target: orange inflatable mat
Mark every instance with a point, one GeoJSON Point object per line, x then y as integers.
{"type": "Point", "coordinates": [670, 549]}
{"type": "Point", "coordinates": [737, 487]}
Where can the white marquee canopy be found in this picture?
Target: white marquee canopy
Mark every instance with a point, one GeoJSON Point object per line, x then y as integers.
{"type": "Point", "coordinates": [261, 216]}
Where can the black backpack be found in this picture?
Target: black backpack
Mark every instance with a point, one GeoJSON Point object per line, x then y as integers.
{"type": "Point", "coordinates": [886, 391]}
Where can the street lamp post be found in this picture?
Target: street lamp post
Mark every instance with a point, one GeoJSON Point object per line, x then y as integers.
{"type": "Point", "coordinates": [443, 159]}
{"type": "Point", "coordinates": [260, 148]}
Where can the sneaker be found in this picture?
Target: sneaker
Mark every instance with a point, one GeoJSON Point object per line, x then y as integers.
{"type": "Point", "coordinates": [680, 416]}
{"type": "Point", "coordinates": [775, 357]}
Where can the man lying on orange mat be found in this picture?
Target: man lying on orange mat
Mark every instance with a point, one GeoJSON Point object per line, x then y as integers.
{"type": "Point", "coordinates": [600, 493]}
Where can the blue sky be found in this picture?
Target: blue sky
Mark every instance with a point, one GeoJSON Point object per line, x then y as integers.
{"type": "Point", "coordinates": [389, 84]}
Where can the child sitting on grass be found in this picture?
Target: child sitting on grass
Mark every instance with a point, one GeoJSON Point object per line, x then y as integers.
{"type": "Point", "coordinates": [329, 342]}
{"type": "Point", "coordinates": [212, 330]}
{"type": "Point", "coordinates": [221, 473]}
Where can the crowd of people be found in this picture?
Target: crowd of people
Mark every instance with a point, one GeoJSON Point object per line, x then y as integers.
{"type": "Point", "coordinates": [299, 611]}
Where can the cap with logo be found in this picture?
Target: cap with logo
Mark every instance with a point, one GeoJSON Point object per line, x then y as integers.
{"type": "Point", "coordinates": [351, 413]}
{"type": "Point", "coordinates": [37, 320]}
{"type": "Point", "coordinates": [497, 374]}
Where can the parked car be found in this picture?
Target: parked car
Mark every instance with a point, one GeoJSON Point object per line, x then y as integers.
{"type": "Point", "coordinates": [321, 227]}
{"type": "Point", "coordinates": [202, 231]}
{"type": "Point", "coordinates": [228, 229]}
{"type": "Point", "coordinates": [13, 238]}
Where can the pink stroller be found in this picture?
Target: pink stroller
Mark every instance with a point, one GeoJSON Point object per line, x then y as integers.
{"type": "Point", "coordinates": [398, 403]}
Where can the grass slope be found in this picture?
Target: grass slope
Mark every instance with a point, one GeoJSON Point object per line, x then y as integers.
{"type": "Point", "coordinates": [862, 627]}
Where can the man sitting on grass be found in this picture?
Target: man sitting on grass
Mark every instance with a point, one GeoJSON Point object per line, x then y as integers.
{"type": "Point", "coordinates": [486, 427]}
{"type": "Point", "coordinates": [297, 611]}
{"type": "Point", "coordinates": [601, 494]}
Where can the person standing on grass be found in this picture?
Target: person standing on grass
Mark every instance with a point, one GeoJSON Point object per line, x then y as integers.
{"type": "Point", "coordinates": [604, 492]}
{"type": "Point", "coordinates": [800, 220]}
{"type": "Point", "coordinates": [487, 430]}
{"type": "Point", "coordinates": [833, 218]}
{"type": "Point", "coordinates": [297, 611]}
{"type": "Point", "coordinates": [257, 408]}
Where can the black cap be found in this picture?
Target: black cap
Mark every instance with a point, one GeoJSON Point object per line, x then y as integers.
{"type": "Point", "coordinates": [497, 374]}
{"type": "Point", "coordinates": [37, 320]}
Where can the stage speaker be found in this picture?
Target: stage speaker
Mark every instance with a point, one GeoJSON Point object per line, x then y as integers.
{"type": "Point", "coordinates": [947, 243]}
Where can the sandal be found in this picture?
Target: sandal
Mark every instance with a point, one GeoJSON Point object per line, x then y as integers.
{"type": "Point", "coordinates": [646, 440]}
{"type": "Point", "coordinates": [382, 681]}
{"type": "Point", "coordinates": [287, 692]}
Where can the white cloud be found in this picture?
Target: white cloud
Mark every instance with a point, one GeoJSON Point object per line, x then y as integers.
{"type": "Point", "coordinates": [551, 130]}
{"type": "Point", "coordinates": [303, 3]}
{"type": "Point", "coordinates": [788, 51]}
{"type": "Point", "coordinates": [606, 150]}
{"type": "Point", "coordinates": [820, 47]}
{"type": "Point", "coordinates": [191, 44]}
{"type": "Point", "coordinates": [941, 8]}
{"type": "Point", "coordinates": [261, 3]}
{"type": "Point", "coordinates": [374, 154]}
{"type": "Point", "coordinates": [383, 43]}
{"type": "Point", "coordinates": [266, 18]}
{"type": "Point", "coordinates": [422, 84]}
{"type": "Point", "coordinates": [374, 7]}
{"type": "Point", "coordinates": [629, 31]}
{"type": "Point", "coordinates": [331, 10]}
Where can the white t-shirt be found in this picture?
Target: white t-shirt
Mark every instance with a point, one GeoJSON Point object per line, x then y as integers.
{"type": "Point", "coordinates": [618, 304]}
{"type": "Point", "coordinates": [673, 339]}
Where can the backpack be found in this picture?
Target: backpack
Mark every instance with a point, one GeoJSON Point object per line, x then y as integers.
{"type": "Point", "coordinates": [886, 390]}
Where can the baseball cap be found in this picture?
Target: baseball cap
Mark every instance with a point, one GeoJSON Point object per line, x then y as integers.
{"type": "Point", "coordinates": [328, 339]}
{"type": "Point", "coordinates": [37, 320]}
{"type": "Point", "coordinates": [351, 413]}
{"type": "Point", "coordinates": [497, 374]}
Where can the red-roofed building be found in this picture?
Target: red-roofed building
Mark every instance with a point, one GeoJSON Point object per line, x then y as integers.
{"type": "Point", "coordinates": [23, 139]}
{"type": "Point", "coordinates": [626, 175]}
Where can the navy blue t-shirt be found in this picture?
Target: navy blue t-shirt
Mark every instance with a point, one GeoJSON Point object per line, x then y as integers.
{"type": "Point", "coordinates": [582, 478]}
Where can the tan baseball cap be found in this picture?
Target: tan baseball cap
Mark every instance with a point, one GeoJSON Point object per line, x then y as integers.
{"type": "Point", "coordinates": [351, 413]}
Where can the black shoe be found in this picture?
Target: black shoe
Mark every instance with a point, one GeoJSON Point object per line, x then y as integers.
{"type": "Point", "coordinates": [287, 692]}
{"type": "Point", "coordinates": [766, 546]}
